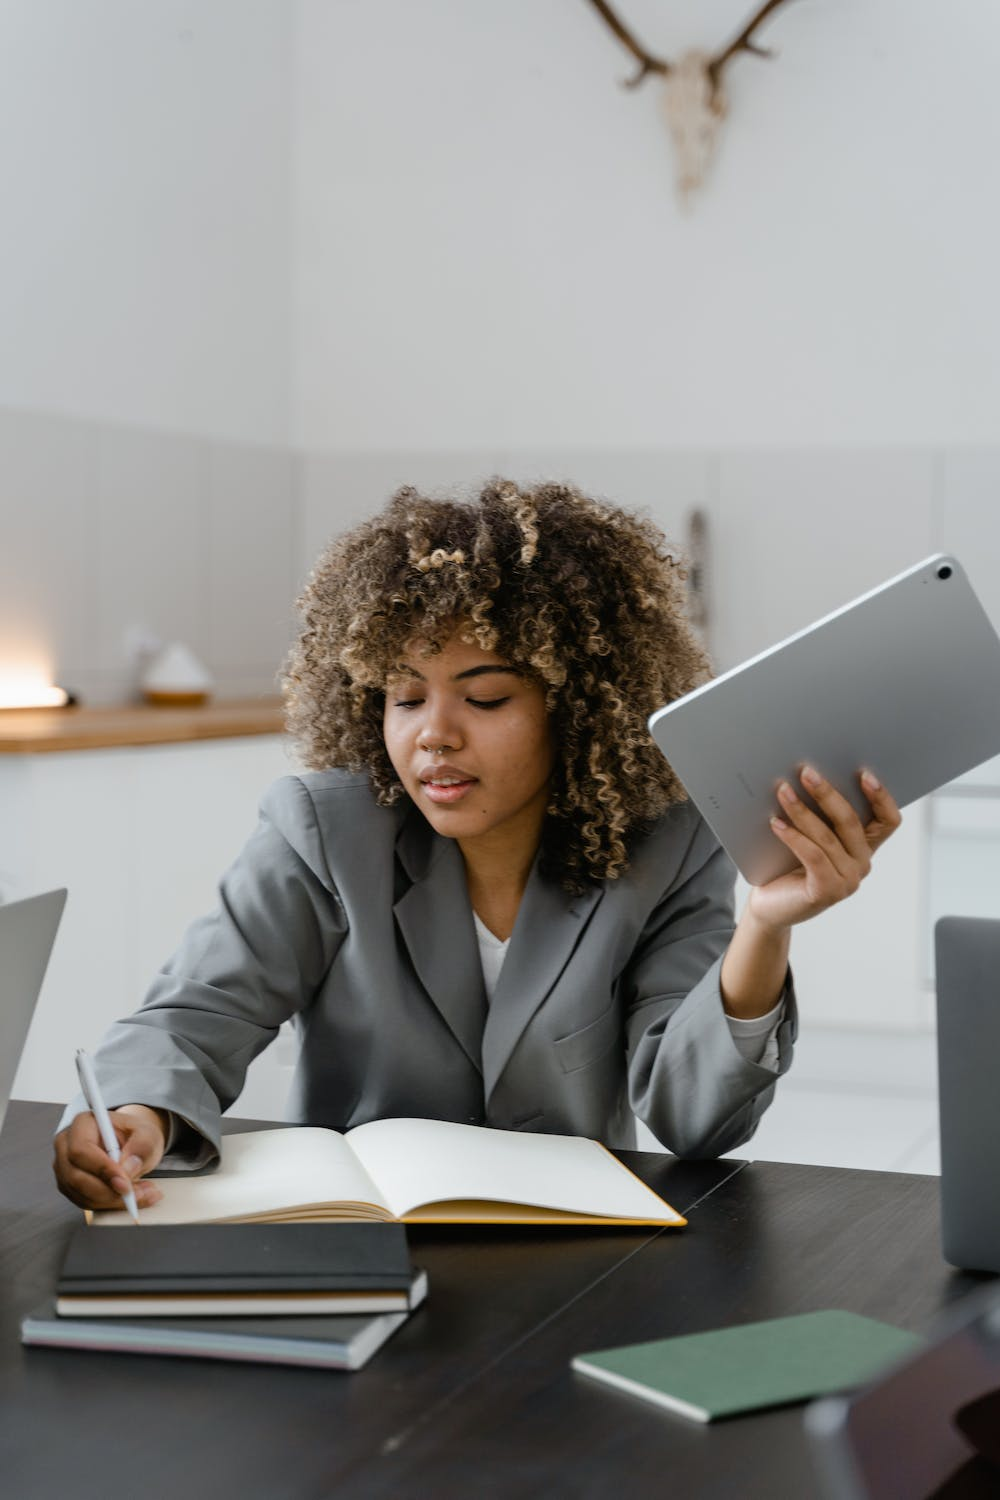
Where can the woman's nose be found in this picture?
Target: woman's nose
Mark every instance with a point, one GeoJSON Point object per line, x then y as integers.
{"type": "Point", "coordinates": [439, 730]}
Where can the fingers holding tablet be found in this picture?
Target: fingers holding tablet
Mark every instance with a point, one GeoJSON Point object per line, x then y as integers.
{"type": "Point", "coordinates": [886, 816]}
{"type": "Point", "coordinates": [831, 844]}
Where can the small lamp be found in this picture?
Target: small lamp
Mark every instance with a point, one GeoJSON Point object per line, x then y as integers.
{"type": "Point", "coordinates": [24, 690]}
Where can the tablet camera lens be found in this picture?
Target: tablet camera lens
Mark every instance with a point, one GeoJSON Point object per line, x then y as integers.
{"type": "Point", "coordinates": [944, 570]}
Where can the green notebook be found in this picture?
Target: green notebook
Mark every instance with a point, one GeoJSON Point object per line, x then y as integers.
{"type": "Point", "coordinates": [752, 1365]}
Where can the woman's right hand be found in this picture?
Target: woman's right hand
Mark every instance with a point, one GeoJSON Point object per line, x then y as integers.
{"type": "Point", "coordinates": [87, 1175]}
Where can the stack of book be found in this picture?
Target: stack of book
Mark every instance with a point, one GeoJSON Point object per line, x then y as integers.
{"type": "Point", "coordinates": [321, 1295]}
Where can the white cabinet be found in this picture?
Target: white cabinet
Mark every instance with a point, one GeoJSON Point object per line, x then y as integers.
{"type": "Point", "coordinates": [139, 836]}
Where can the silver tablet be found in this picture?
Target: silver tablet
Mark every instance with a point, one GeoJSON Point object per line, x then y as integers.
{"type": "Point", "coordinates": [904, 681]}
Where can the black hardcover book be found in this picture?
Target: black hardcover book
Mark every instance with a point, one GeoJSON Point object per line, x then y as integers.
{"type": "Point", "coordinates": [232, 1269]}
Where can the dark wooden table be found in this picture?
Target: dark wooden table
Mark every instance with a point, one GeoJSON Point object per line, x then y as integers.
{"type": "Point", "coordinates": [474, 1396]}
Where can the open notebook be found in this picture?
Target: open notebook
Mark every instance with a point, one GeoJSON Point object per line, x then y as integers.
{"type": "Point", "coordinates": [417, 1171]}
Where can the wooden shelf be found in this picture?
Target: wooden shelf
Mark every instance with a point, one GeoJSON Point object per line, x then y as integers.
{"type": "Point", "coordinates": [26, 731]}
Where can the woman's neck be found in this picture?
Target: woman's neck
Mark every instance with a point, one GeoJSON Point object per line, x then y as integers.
{"type": "Point", "coordinates": [496, 878]}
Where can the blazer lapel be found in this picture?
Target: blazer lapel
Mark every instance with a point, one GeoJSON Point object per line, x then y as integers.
{"type": "Point", "coordinates": [435, 919]}
{"type": "Point", "coordinates": [549, 925]}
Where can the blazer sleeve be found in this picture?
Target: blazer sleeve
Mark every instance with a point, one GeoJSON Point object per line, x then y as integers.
{"type": "Point", "coordinates": [687, 1079]}
{"type": "Point", "coordinates": [256, 960]}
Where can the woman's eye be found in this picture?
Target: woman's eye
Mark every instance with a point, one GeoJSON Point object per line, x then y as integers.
{"type": "Point", "coordinates": [487, 702]}
{"type": "Point", "coordinates": [407, 702]}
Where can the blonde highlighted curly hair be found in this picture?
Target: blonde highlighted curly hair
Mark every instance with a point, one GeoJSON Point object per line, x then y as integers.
{"type": "Point", "coordinates": [581, 595]}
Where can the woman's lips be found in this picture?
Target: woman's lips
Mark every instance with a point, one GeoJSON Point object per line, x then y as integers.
{"type": "Point", "coordinates": [445, 795]}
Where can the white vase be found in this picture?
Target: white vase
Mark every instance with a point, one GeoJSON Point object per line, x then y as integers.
{"type": "Point", "coordinates": [175, 677]}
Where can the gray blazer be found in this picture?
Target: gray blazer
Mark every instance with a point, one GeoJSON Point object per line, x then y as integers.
{"type": "Point", "coordinates": [355, 920]}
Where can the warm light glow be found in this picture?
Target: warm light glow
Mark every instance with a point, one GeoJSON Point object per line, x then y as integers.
{"type": "Point", "coordinates": [21, 690]}
{"type": "Point", "coordinates": [27, 669]}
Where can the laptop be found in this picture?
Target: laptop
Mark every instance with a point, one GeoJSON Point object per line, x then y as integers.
{"type": "Point", "coordinates": [968, 1035]}
{"type": "Point", "coordinates": [904, 681]}
{"type": "Point", "coordinates": [27, 931]}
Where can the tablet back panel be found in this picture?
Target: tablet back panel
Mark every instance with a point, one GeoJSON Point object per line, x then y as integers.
{"type": "Point", "coordinates": [27, 932]}
{"type": "Point", "coordinates": [904, 680]}
{"type": "Point", "coordinates": [968, 1024]}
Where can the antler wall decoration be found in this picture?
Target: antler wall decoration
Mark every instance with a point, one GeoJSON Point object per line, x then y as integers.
{"type": "Point", "coordinates": [694, 98]}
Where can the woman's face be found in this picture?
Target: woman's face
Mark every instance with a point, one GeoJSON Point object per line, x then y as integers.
{"type": "Point", "coordinates": [470, 741]}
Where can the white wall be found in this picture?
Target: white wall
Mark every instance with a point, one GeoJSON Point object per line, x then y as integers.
{"type": "Point", "coordinates": [146, 487]}
{"type": "Point", "coordinates": [380, 225]}
{"type": "Point", "coordinates": [145, 262]}
{"type": "Point", "coordinates": [111, 534]}
{"type": "Point", "coordinates": [489, 251]}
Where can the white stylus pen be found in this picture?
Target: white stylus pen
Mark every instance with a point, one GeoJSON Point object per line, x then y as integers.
{"type": "Point", "coordinates": [92, 1094]}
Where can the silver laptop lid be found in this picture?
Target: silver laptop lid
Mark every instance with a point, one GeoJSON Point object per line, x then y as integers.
{"type": "Point", "coordinates": [968, 1029]}
{"type": "Point", "coordinates": [904, 681]}
{"type": "Point", "coordinates": [27, 932]}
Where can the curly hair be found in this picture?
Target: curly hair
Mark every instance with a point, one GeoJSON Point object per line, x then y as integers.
{"type": "Point", "coordinates": [584, 597]}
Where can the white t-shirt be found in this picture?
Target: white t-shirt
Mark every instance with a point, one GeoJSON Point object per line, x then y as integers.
{"type": "Point", "coordinates": [492, 952]}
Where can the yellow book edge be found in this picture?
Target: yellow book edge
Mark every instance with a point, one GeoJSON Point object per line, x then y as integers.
{"type": "Point", "coordinates": [449, 1211]}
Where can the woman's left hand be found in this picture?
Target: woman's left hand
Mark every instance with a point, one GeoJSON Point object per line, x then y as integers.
{"type": "Point", "coordinates": [833, 858]}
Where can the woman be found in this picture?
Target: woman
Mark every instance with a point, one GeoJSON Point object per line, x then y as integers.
{"type": "Point", "coordinates": [490, 901]}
